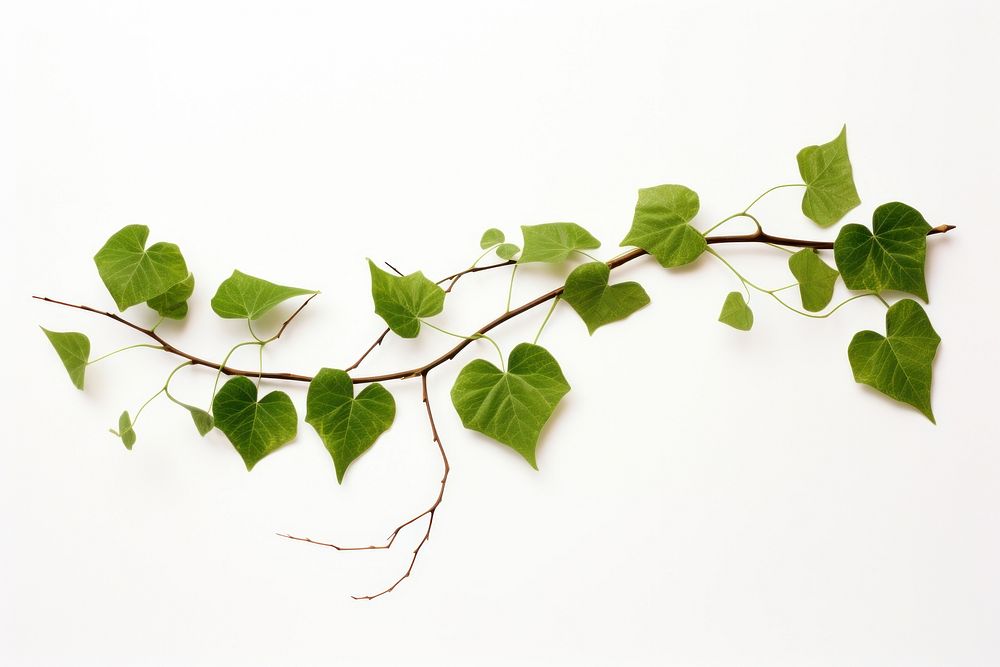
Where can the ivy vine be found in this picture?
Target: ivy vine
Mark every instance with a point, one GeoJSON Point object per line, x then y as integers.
{"type": "Point", "coordinates": [512, 398]}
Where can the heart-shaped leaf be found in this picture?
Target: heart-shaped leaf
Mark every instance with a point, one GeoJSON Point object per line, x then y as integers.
{"type": "Point", "coordinates": [555, 241]}
{"type": "Point", "coordinates": [816, 279]}
{"type": "Point", "coordinates": [511, 407]}
{"type": "Point", "coordinates": [490, 238]}
{"type": "Point", "coordinates": [242, 296]}
{"type": "Point", "coordinates": [660, 225]}
{"type": "Point", "coordinates": [133, 273]}
{"type": "Point", "coordinates": [348, 426]}
{"type": "Point", "coordinates": [402, 300]}
{"type": "Point", "coordinates": [890, 256]}
{"type": "Point", "coordinates": [507, 251]}
{"type": "Point", "coordinates": [74, 350]}
{"type": "Point", "coordinates": [256, 428]}
{"type": "Point", "coordinates": [826, 171]}
{"type": "Point", "coordinates": [598, 303]}
{"type": "Point", "coordinates": [736, 313]}
{"type": "Point", "coordinates": [899, 363]}
{"type": "Point", "coordinates": [125, 430]}
{"type": "Point", "coordinates": [173, 302]}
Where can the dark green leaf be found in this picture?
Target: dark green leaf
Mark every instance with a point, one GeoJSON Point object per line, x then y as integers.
{"type": "Point", "coordinates": [133, 273]}
{"type": "Point", "coordinates": [242, 296]}
{"type": "Point", "coordinates": [660, 225]}
{"type": "Point", "coordinates": [507, 251]}
{"type": "Point", "coordinates": [826, 171]}
{"type": "Point", "coordinates": [74, 351]}
{"type": "Point", "coordinates": [736, 313]}
{"type": "Point", "coordinates": [597, 302]}
{"type": "Point", "coordinates": [255, 427]}
{"type": "Point", "coordinates": [125, 430]}
{"type": "Point", "coordinates": [173, 302]}
{"type": "Point", "coordinates": [899, 363]}
{"type": "Point", "coordinates": [816, 279]}
{"type": "Point", "coordinates": [402, 300]}
{"type": "Point", "coordinates": [555, 241]}
{"type": "Point", "coordinates": [491, 237]}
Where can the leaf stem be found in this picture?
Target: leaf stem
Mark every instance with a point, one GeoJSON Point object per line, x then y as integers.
{"type": "Point", "coordinates": [546, 320]}
{"type": "Point", "coordinates": [143, 406]}
{"type": "Point", "coordinates": [510, 288]}
{"type": "Point", "coordinates": [476, 336]}
{"type": "Point", "coordinates": [225, 360]}
{"type": "Point", "coordinates": [770, 190]}
{"type": "Point", "coordinates": [127, 347]}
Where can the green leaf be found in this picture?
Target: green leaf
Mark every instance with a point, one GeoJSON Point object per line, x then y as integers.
{"type": "Point", "coordinates": [491, 237]}
{"type": "Point", "coordinates": [736, 313]}
{"type": "Point", "coordinates": [660, 225]}
{"type": "Point", "coordinates": [402, 300]}
{"type": "Point", "coordinates": [242, 296]}
{"type": "Point", "coordinates": [74, 350]}
{"type": "Point", "coordinates": [134, 273]}
{"type": "Point", "coordinates": [598, 303]}
{"type": "Point", "coordinates": [203, 421]}
{"type": "Point", "coordinates": [891, 258]}
{"type": "Point", "coordinates": [125, 430]}
{"type": "Point", "coordinates": [816, 279]}
{"type": "Point", "coordinates": [511, 407]}
{"type": "Point", "coordinates": [555, 241]}
{"type": "Point", "coordinates": [255, 427]}
{"type": "Point", "coordinates": [507, 251]}
{"type": "Point", "coordinates": [899, 363]}
{"type": "Point", "coordinates": [826, 171]}
{"type": "Point", "coordinates": [348, 426]}
{"type": "Point", "coordinates": [173, 302]}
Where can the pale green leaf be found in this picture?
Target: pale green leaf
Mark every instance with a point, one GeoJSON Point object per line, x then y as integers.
{"type": "Point", "coordinates": [816, 279]}
{"type": "Point", "coordinates": [254, 427]}
{"type": "Point", "coordinates": [173, 302]}
{"type": "Point", "coordinates": [403, 300]}
{"type": "Point", "coordinates": [736, 313]}
{"type": "Point", "coordinates": [242, 296]}
{"type": "Point", "coordinates": [661, 226]}
{"type": "Point", "coordinates": [491, 237]}
{"type": "Point", "coordinates": [511, 407]}
{"type": "Point", "coordinates": [826, 171]}
{"type": "Point", "coordinates": [133, 273]}
{"type": "Point", "coordinates": [598, 303]}
{"type": "Point", "coordinates": [890, 256]}
{"type": "Point", "coordinates": [125, 430]}
{"type": "Point", "coordinates": [899, 363]}
{"type": "Point", "coordinates": [507, 251]}
{"type": "Point", "coordinates": [555, 241]}
{"type": "Point", "coordinates": [74, 351]}
{"type": "Point", "coordinates": [348, 426]}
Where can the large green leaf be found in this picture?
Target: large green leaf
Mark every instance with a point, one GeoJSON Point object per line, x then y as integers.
{"type": "Point", "coordinates": [511, 407]}
{"type": "Point", "coordinates": [490, 238]}
{"type": "Point", "coordinates": [660, 225]}
{"type": "Point", "coordinates": [826, 171]}
{"type": "Point", "coordinates": [598, 303]}
{"type": "Point", "coordinates": [74, 350]}
{"type": "Point", "coordinates": [402, 300]}
{"type": "Point", "coordinates": [816, 279]}
{"type": "Point", "coordinates": [133, 273]}
{"type": "Point", "coordinates": [242, 296]}
{"type": "Point", "coordinates": [899, 363]}
{"type": "Point", "coordinates": [736, 312]}
{"type": "Point", "coordinates": [255, 427]}
{"type": "Point", "coordinates": [173, 302]}
{"type": "Point", "coordinates": [348, 426]}
{"type": "Point", "coordinates": [890, 257]}
{"type": "Point", "coordinates": [125, 430]}
{"type": "Point", "coordinates": [555, 241]}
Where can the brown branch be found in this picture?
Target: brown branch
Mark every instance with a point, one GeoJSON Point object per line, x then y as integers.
{"type": "Point", "coordinates": [378, 341]}
{"type": "Point", "coordinates": [472, 269]}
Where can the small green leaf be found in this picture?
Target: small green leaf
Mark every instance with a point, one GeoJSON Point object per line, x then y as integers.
{"type": "Point", "coordinates": [125, 430]}
{"type": "Point", "coordinates": [816, 279]}
{"type": "Point", "coordinates": [133, 273]}
{"type": "Point", "coordinates": [348, 426]}
{"type": "Point", "coordinates": [242, 296]}
{"type": "Point", "coordinates": [74, 351]}
{"type": "Point", "coordinates": [891, 258]}
{"type": "Point", "coordinates": [660, 225]}
{"type": "Point", "coordinates": [598, 303]}
{"type": "Point", "coordinates": [899, 363]}
{"type": "Point", "coordinates": [402, 300]}
{"type": "Point", "coordinates": [507, 251]}
{"type": "Point", "coordinates": [254, 427]}
{"type": "Point", "coordinates": [173, 302]}
{"type": "Point", "coordinates": [491, 237]}
{"type": "Point", "coordinates": [826, 171]}
{"type": "Point", "coordinates": [511, 407]}
{"type": "Point", "coordinates": [736, 313]}
{"type": "Point", "coordinates": [555, 241]}
{"type": "Point", "coordinates": [203, 421]}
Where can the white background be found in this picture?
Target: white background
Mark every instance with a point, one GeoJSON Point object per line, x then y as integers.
{"type": "Point", "coordinates": [706, 497]}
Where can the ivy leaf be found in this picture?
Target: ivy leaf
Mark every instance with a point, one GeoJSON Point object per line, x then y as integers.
{"type": "Point", "coordinates": [511, 407]}
{"type": "Point", "coordinates": [816, 279]}
{"type": "Point", "coordinates": [74, 350]}
{"type": "Point", "coordinates": [255, 427]}
{"type": "Point", "coordinates": [173, 302]}
{"type": "Point", "coordinates": [736, 313]}
{"type": "Point", "coordinates": [348, 426]}
{"type": "Point", "coordinates": [125, 430]}
{"type": "Point", "coordinates": [203, 421]}
{"type": "Point", "coordinates": [507, 251]}
{"type": "Point", "coordinates": [899, 363]}
{"type": "Point", "coordinates": [598, 303]}
{"type": "Point", "coordinates": [242, 296]}
{"type": "Point", "coordinates": [133, 273]}
{"type": "Point", "coordinates": [891, 258]}
{"type": "Point", "coordinates": [491, 237]}
{"type": "Point", "coordinates": [555, 241]}
{"type": "Point", "coordinates": [402, 300]}
{"type": "Point", "coordinates": [660, 225]}
{"type": "Point", "coordinates": [826, 171]}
